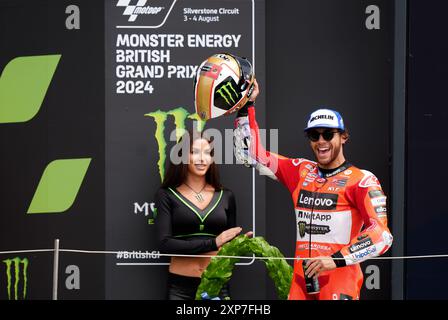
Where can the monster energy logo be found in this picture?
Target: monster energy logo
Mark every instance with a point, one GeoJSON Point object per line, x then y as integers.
{"type": "Point", "coordinates": [302, 226]}
{"type": "Point", "coordinates": [180, 115]}
{"type": "Point", "coordinates": [15, 263]}
{"type": "Point", "coordinates": [315, 229]}
{"type": "Point", "coordinates": [228, 93]}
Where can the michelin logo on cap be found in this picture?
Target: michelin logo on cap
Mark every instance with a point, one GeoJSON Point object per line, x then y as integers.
{"type": "Point", "coordinates": [325, 118]}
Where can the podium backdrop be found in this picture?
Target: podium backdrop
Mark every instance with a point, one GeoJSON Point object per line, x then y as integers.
{"type": "Point", "coordinates": [90, 92]}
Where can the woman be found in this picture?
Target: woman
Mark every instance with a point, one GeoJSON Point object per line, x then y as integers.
{"type": "Point", "coordinates": [195, 215]}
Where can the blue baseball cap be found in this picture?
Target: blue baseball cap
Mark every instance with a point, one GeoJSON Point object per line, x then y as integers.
{"type": "Point", "coordinates": [325, 118]}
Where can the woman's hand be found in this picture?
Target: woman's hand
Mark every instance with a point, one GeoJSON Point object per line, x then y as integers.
{"type": "Point", "coordinates": [227, 236]}
{"type": "Point", "coordinates": [249, 234]}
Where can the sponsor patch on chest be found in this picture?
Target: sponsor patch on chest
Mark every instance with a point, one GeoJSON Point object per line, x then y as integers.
{"type": "Point", "coordinates": [317, 201]}
{"type": "Point", "coordinates": [324, 227]}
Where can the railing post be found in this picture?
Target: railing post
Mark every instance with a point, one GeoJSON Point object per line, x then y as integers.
{"type": "Point", "coordinates": [55, 269]}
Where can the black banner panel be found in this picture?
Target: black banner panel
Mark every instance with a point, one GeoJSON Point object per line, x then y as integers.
{"type": "Point", "coordinates": [427, 114]}
{"type": "Point", "coordinates": [52, 147]}
{"type": "Point", "coordinates": [152, 54]}
{"type": "Point", "coordinates": [338, 55]}
{"type": "Point", "coordinates": [94, 95]}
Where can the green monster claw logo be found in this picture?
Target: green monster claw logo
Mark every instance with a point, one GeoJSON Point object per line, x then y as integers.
{"type": "Point", "coordinates": [302, 229]}
{"type": "Point", "coordinates": [154, 216]}
{"type": "Point", "coordinates": [180, 115]}
{"type": "Point", "coordinates": [17, 262]}
{"type": "Point", "coordinates": [225, 92]}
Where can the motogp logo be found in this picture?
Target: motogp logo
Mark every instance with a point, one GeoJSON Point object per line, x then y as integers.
{"type": "Point", "coordinates": [139, 8]}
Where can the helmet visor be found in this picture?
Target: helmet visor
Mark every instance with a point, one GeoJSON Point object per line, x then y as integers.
{"type": "Point", "coordinates": [246, 72]}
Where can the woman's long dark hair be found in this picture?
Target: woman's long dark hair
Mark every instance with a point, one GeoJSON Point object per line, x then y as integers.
{"type": "Point", "coordinates": [177, 173]}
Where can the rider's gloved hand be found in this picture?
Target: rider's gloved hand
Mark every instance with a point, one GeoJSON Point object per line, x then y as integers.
{"type": "Point", "coordinates": [241, 137]}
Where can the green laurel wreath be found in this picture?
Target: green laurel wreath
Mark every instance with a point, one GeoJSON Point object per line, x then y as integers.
{"type": "Point", "coordinates": [219, 271]}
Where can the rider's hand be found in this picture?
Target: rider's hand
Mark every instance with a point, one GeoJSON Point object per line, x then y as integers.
{"type": "Point", "coordinates": [255, 92]}
{"type": "Point", "coordinates": [251, 102]}
{"type": "Point", "coordinates": [318, 265]}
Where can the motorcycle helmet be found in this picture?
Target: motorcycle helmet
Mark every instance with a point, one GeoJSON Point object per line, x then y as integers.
{"type": "Point", "coordinates": [222, 85]}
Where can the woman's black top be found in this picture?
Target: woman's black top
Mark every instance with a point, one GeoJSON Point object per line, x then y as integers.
{"type": "Point", "coordinates": [183, 228]}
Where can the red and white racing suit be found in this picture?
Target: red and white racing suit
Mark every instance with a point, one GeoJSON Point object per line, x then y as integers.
{"type": "Point", "coordinates": [344, 214]}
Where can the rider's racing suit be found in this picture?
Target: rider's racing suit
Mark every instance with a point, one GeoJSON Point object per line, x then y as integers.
{"type": "Point", "coordinates": [342, 214]}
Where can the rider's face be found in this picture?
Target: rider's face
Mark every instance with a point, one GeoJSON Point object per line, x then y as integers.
{"type": "Point", "coordinates": [327, 147]}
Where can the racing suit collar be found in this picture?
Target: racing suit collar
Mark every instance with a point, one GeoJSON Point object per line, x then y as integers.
{"type": "Point", "coordinates": [327, 173]}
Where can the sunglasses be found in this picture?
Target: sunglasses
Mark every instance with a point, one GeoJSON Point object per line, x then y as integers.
{"type": "Point", "coordinates": [314, 135]}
